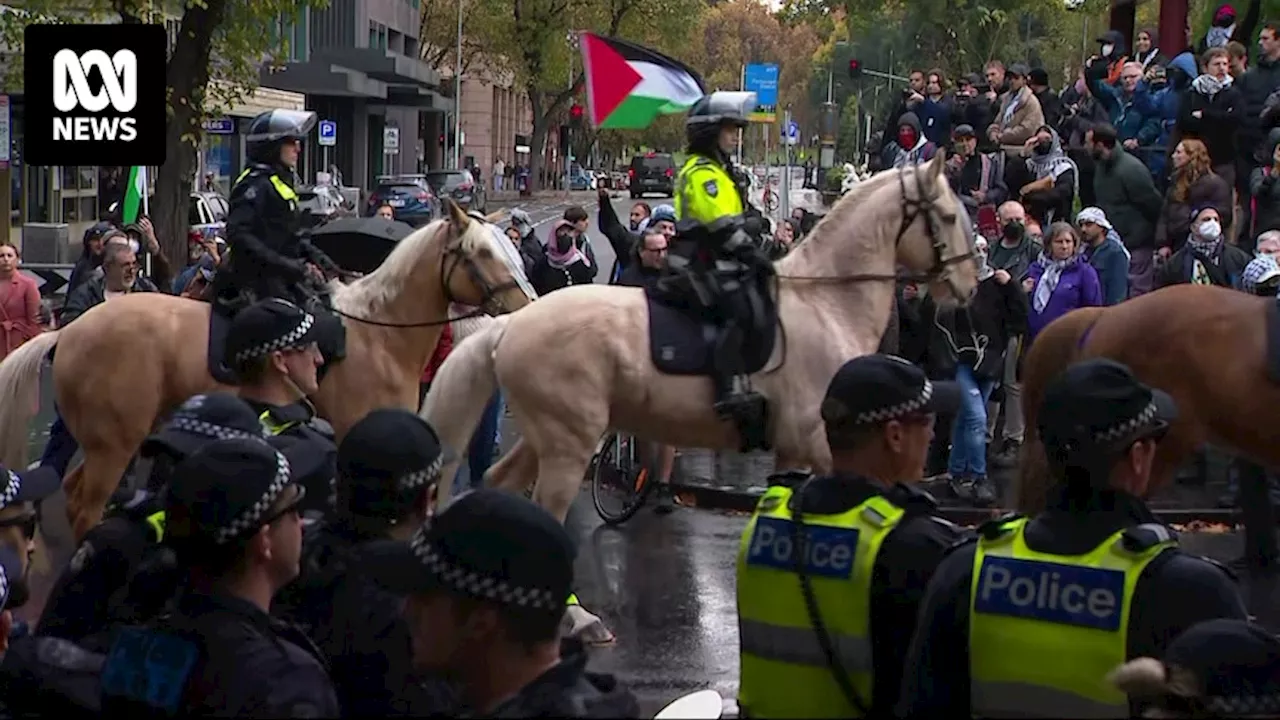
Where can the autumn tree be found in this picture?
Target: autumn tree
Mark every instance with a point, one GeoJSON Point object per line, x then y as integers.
{"type": "Point", "coordinates": [213, 65]}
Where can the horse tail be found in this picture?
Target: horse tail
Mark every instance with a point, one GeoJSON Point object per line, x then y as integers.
{"type": "Point", "coordinates": [19, 396]}
{"type": "Point", "coordinates": [1056, 347]}
{"type": "Point", "coordinates": [460, 391]}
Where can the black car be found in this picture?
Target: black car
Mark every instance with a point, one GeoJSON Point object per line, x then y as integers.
{"type": "Point", "coordinates": [411, 199]}
{"type": "Point", "coordinates": [652, 173]}
{"type": "Point", "coordinates": [459, 185]}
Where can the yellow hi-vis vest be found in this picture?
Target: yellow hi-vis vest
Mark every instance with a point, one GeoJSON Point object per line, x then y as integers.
{"type": "Point", "coordinates": [784, 671]}
{"type": "Point", "coordinates": [281, 186]}
{"type": "Point", "coordinates": [274, 428]}
{"type": "Point", "coordinates": [706, 192]}
{"type": "Point", "coordinates": [1044, 630]}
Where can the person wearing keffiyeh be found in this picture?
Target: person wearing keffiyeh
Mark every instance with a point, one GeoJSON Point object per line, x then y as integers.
{"type": "Point", "coordinates": [1205, 259]}
{"type": "Point", "coordinates": [1211, 111]}
{"type": "Point", "coordinates": [563, 263]}
{"type": "Point", "coordinates": [1052, 193]}
{"type": "Point", "coordinates": [1060, 281]}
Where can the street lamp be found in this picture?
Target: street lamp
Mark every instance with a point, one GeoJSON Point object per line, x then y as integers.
{"type": "Point", "coordinates": [457, 96]}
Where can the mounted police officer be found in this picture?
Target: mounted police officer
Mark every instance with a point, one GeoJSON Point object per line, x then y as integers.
{"type": "Point", "coordinates": [873, 540]}
{"type": "Point", "coordinates": [715, 265]}
{"type": "Point", "coordinates": [267, 256]}
{"type": "Point", "coordinates": [1028, 620]}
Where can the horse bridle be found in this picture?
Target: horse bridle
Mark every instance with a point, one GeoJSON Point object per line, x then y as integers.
{"type": "Point", "coordinates": [925, 204]}
{"type": "Point", "coordinates": [490, 302]}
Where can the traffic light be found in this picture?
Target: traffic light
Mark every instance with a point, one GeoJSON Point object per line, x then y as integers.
{"type": "Point", "coordinates": [855, 69]}
{"type": "Point", "coordinates": [575, 115]}
{"type": "Point", "coordinates": [441, 139]}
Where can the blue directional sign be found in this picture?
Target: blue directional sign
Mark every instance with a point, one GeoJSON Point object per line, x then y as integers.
{"type": "Point", "coordinates": [762, 79]}
{"type": "Point", "coordinates": [220, 126]}
{"type": "Point", "coordinates": [328, 132]}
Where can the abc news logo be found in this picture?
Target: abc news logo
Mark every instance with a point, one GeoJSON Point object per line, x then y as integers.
{"type": "Point", "coordinates": [95, 94]}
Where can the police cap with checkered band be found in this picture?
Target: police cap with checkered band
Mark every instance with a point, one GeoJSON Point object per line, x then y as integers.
{"type": "Point", "coordinates": [10, 570]}
{"type": "Point", "coordinates": [1099, 406]}
{"type": "Point", "coordinates": [267, 326]}
{"type": "Point", "coordinates": [384, 459]}
{"type": "Point", "coordinates": [202, 418]}
{"type": "Point", "coordinates": [226, 491]}
{"type": "Point", "coordinates": [488, 545]}
{"type": "Point", "coordinates": [875, 389]}
{"type": "Point", "coordinates": [31, 485]}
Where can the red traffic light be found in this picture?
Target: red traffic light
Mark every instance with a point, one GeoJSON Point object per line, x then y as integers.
{"type": "Point", "coordinates": [575, 111]}
{"type": "Point", "coordinates": [855, 68]}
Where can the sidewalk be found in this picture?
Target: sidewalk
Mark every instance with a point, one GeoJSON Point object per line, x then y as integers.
{"type": "Point", "coordinates": [508, 198]}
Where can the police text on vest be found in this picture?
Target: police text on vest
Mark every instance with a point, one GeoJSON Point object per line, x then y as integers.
{"type": "Point", "coordinates": [831, 550]}
{"type": "Point", "coordinates": [1051, 592]}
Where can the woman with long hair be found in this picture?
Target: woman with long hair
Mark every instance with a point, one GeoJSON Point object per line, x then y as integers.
{"type": "Point", "coordinates": [1060, 281]}
{"type": "Point", "coordinates": [1192, 184]}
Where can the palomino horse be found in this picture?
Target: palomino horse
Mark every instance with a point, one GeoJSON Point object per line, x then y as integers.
{"type": "Point", "coordinates": [577, 362]}
{"type": "Point", "coordinates": [124, 364]}
{"type": "Point", "coordinates": [1205, 346]}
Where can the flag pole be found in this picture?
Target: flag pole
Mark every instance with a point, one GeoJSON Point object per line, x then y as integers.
{"type": "Point", "coordinates": [742, 85]}
{"type": "Point", "coordinates": [146, 210]}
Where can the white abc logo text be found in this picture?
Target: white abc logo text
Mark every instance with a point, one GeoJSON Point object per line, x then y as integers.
{"type": "Point", "coordinates": [71, 90]}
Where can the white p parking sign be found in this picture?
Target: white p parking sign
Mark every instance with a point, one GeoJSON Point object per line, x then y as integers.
{"type": "Point", "coordinates": [328, 133]}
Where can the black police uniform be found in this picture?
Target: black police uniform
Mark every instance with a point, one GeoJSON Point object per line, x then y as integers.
{"type": "Point", "coordinates": [498, 548]}
{"type": "Point", "coordinates": [218, 654]}
{"type": "Point", "coordinates": [388, 461]}
{"type": "Point", "coordinates": [1175, 591]}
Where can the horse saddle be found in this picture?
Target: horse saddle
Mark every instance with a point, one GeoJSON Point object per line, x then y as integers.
{"type": "Point", "coordinates": [332, 337]}
{"type": "Point", "coordinates": [682, 338]}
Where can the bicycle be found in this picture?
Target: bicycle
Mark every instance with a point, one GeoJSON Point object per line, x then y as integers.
{"type": "Point", "coordinates": [623, 468]}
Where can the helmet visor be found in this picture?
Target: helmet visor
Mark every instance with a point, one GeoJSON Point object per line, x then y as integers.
{"type": "Point", "coordinates": [282, 124]}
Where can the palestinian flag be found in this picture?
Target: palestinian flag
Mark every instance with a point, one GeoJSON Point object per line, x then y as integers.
{"type": "Point", "coordinates": [628, 86]}
{"type": "Point", "coordinates": [135, 195]}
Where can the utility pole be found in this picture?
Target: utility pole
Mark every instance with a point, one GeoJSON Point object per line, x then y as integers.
{"type": "Point", "coordinates": [457, 96]}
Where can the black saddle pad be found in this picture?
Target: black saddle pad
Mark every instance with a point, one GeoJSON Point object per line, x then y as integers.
{"type": "Point", "coordinates": [219, 322]}
{"type": "Point", "coordinates": [682, 343]}
{"type": "Point", "coordinates": [1273, 341]}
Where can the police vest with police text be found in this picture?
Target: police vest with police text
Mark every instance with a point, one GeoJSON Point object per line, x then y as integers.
{"type": "Point", "coordinates": [1045, 630]}
{"type": "Point", "coordinates": [784, 671]}
{"type": "Point", "coordinates": [705, 192]}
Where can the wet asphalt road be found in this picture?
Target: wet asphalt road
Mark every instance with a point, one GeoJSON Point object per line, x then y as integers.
{"type": "Point", "coordinates": [664, 585]}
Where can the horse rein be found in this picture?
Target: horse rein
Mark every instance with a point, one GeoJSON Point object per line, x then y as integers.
{"type": "Point", "coordinates": [913, 208]}
{"type": "Point", "coordinates": [491, 300]}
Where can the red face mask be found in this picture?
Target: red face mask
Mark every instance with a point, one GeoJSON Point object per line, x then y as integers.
{"type": "Point", "coordinates": [906, 138]}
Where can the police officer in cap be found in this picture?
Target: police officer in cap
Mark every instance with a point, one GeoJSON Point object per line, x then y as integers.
{"type": "Point", "coordinates": [1028, 620]}
{"type": "Point", "coordinates": [388, 467]}
{"type": "Point", "coordinates": [92, 590]}
{"type": "Point", "coordinates": [487, 581]}
{"type": "Point", "coordinates": [715, 265]}
{"type": "Point", "coordinates": [232, 518]}
{"type": "Point", "coordinates": [272, 347]}
{"type": "Point", "coordinates": [873, 541]}
{"type": "Point", "coordinates": [20, 492]}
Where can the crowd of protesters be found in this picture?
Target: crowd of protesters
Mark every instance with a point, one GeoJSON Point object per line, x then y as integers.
{"type": "Point", "coordinates": [1153, 168]}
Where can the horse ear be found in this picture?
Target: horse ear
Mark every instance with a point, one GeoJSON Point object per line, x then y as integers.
{"type": "Point", "coordinates": [457, 218]}
{"type": "Point", "coordinates": [493, 217]}
{"type": "Point", "coordinates": [937, 164]}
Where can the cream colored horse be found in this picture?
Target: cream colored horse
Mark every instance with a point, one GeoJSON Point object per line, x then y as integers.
{"type": "Point", "coordinates": [577, 362]}
{"type": "Point", "coordinates": [124, 364]}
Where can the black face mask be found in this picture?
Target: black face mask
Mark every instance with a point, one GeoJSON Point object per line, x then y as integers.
{"type": "Point", "coordinates": [1013, 230]}
{"type": "Point", "coordinates": [19, 592]}
{"type": "Point", "coordinates": [564, 241]}
{"type": "Point", "coordinates": [1043, 148]}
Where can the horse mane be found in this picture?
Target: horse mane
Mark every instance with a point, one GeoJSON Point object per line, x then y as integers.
{"type": "Point", "coordinates": [375, 290]}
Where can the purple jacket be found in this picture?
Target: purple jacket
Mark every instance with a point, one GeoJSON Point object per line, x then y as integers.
{"type": "Point", "coordinates": [1078, 287]}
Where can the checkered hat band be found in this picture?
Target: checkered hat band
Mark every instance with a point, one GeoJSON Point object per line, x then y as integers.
{"type": "Point", "coordinates": [252, 517]}
{"type": "Point", "coordinates": [4, 588]}
{"type": "Point", "coordinates": [11, 491]}
{"type": "Point", "coordinates": [896, 411]}
{"type": "Point", "coordinates": [207, 429]}
{"type": "Point", "coordinates": [1128, 427]}
{"type": "Point", "coordinates": [1244, 705]}
{"type": "Point", "coordinates": [420, 478]}
{"type": "Point", "coordinates": [288, 340]}
{"type": "Point", "coordinates": [469, 582]}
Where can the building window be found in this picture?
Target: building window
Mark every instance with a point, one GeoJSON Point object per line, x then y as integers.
{"type": "Point", "coordinates": [172, 28]}
{"type": "Point", "coordinates": [410, 46]}
{"type": "Point", "coordinates": [299, 48]}
{"type": "Point", "coordinates": [382, 37]}
{"type": "Point", "coordinates": [373, 34]}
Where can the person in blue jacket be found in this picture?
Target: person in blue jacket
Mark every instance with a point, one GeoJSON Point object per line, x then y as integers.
{"type": "Point", "coordinates": [1106, 253]}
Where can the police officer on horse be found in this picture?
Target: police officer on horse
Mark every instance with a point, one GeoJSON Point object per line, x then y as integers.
{"type": "Point", "coordinates": [716, 265]}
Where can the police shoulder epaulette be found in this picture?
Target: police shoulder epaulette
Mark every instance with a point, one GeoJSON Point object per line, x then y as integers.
{"type": "Point", "coordinates": [1146, 536]}
{"type": "Point", "coordinates": [789, 479]}
{"type": "Point", "coordinates": [997, 527]}
{"type": "Point", "coordinates": [911, 498]}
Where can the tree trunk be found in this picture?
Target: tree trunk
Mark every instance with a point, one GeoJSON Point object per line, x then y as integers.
{"type": "Point", "coordinates": [188, 74]}
{"type": "Point", "coordinates": [538, 140]}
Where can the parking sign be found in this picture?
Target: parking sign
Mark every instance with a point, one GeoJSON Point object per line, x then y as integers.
{"type": "Point", "coordinates": [328, 132]}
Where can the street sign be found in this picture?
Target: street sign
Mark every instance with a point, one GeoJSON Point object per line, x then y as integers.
{"type": "Point", "coordinates": [329, 133]}
{"type": "Point", "coordinates": [391, 140]}
{"type": "Point", "coordinates": [792, 135]}
{"type": "Point", "coordinates": [220, 126]}
{"type": "Point", "coordinates": [51, 279]}
{"type": "Point", "coordinates": [762, 79]}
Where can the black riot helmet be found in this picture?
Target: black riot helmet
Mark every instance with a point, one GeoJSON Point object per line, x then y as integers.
{"type": "Point", "coordinates": [713, 112]}
{"type": "Point", "coordinates": [270, 129]}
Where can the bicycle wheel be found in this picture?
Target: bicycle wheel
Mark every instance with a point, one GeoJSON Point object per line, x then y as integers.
{"type": "Point", "coordinates": [622, 479]}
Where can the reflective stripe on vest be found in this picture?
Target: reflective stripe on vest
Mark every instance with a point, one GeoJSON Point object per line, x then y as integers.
{"type": "Point", "coordinates": [784, 672]}
{"type": "Point", "coordinates": [272, 427]}
{"type": "Point", "coordinates": [692, 200]}
{"type": "Point", "coordinates": [573, 600]}
{"type": "Point", "coordinates": [1025, 606]}
{"type": "Point", "coordinates": [281, 186]}
{"type": "Point", "coordinates": [156, 521]}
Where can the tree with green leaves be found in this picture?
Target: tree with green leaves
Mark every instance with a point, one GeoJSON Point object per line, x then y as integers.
{"type": "Point", "coordinates": [213, 65]}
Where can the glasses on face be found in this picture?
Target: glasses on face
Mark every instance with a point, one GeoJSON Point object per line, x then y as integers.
{"type": "Point", "coordinates": [127, 266]}
{"type": "Point", "coordinates": [25, 522]}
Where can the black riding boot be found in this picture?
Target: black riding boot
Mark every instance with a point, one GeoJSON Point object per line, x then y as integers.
{"type": "Point", "coordinates": [734, 398]}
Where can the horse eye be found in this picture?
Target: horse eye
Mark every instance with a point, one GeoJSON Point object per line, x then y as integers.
{"type": "Point", "coordinates": [949, 218]}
